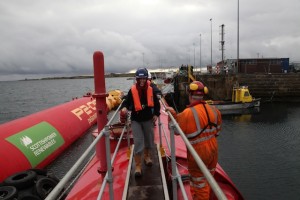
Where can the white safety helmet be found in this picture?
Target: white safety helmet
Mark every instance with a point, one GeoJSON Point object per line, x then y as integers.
{"type": "Point", "coordinates": [149, 75]}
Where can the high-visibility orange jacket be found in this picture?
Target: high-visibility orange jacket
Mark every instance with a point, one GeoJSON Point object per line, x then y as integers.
{"type": "Point", "coordinates": [201, 123]}
{"type": "Point", "coordinates": [208, 126]}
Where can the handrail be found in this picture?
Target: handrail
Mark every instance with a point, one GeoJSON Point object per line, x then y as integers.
{"type": "Point", "coordinates": [76, 178]}
{"type": "Point", "coordinates": [59, 187]}
{"type": "Point", "coordinates": [215, 187]}
{"type": "Point", "coordinates": [175, 167]}
{"type": "Point", "coordinates": [112, 161]}
{"type": "Point", "coordinates": [124, 195]}
{"type": "Point", "coordinates": [53, 194]}
{"type": "Point", "coordinates": [162, 173]}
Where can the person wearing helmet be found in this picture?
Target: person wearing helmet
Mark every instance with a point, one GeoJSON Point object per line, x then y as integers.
{"type": "Point", "coordinates": [149, 76]}
{"type": "Point", "coordinates": [201, 123]}
{"type": "Point", "coordinates": [153, 85]}
{"type": "Point", "coordinates": [145, 108]}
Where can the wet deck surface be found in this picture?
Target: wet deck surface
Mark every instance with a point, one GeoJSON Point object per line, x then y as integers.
{"type": "Point", "coordinates": [149, 186]}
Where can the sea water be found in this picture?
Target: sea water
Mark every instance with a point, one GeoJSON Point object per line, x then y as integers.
{"type": "Point", "coordinates": [260, 151]}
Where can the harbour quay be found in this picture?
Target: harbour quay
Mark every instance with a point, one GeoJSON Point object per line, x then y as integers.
{"type": "Point", "coordinates": [276, 87]}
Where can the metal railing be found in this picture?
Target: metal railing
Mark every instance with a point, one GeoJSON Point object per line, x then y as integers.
{"type": "Point", "coordinates": [170, 144]}
{"type": "Point", "coordinates": [108, 177]}
{"type": "Point", "coordinates": [174, 166]}
{"type": "Point", "coordinates": [212, 182]}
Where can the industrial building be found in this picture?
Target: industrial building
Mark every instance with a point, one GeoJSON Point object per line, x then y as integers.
{"type": "Point", "coordinates": [254, 65]}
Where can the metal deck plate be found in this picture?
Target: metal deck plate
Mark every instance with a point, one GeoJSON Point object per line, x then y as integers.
{"type": "Point", "coordinates": [149, 185]}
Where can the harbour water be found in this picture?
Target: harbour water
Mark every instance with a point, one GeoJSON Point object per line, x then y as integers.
{"type": "Point", "coordinates": [260, 151]}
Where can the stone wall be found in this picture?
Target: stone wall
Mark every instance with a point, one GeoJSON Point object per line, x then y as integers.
{"type": "Point", "coordinates": [269, 87]}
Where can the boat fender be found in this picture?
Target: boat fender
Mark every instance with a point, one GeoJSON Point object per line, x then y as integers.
{"type": "Point", "coordinates": [21, 180]}
{"type": "Point", "coordinates": [111, 102]}
{"type": "Point", "coordinates": [44, 186]}
{"type": "Point", "coordinates": [53, 176]}
{"type": "Point", "coordinates": [117, 95]}
{"type": "Point", "coordinates": [42, 172]}
{"type": "Point", "coordinates": [8, 192]}
{"type": "Point", "coordinates": [45, 173]}
{"type": "Point", "coordinates": [28, 197]}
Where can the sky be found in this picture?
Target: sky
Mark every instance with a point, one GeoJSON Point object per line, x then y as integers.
{"type": "Point", "coordinates": [46, 38]}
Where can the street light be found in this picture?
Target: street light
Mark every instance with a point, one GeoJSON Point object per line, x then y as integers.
{"type": "Point", "coordinates": [238, 35]}
{"type": "Point", "coordinates": [200, 54]}
{"type": "Point", "coordinates": [188, 56]}
{"type": "Point", "coordinates": [210, 41]}
{"type": "Point", "coordinates": [194, 55]}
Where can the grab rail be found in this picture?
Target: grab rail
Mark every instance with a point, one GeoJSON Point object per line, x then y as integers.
{"type": "Point", "coordinates": [215, 187]}
{"type": "Point", "coordinates": [108, 177]}
{"type": "Point", "coordinates": [173, 166]}
{"type": "Point", "coordinates": [59, 187]}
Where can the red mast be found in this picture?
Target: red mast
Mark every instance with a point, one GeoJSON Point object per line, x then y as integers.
{"type": "Point", "coordinates": [100, 95]}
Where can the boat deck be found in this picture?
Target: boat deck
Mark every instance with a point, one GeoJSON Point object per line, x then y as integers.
{"type": "Point", "coordinates": [150, 184]}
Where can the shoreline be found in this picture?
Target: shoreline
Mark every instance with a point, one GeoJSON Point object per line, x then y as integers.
{"type": "Point", "coordinates": [79, 77]}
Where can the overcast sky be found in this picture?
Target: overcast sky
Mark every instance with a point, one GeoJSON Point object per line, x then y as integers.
{"type": "Point", "coordinates": [42, 38]}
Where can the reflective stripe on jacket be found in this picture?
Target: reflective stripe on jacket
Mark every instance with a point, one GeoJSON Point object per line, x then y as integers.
{"type": "Point", "coordinates": [136, 98]}
{"type": "Point", "coordinates": [194, 122]}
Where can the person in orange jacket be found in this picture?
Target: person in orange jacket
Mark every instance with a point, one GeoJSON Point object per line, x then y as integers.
{"type": "Point", "coordinates": [145, 109]}
{"type": "Point", "coordinates": [201, 123]}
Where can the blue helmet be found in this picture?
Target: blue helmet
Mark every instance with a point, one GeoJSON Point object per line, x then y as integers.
{"type": "Point", "coordinates": [141, 73]}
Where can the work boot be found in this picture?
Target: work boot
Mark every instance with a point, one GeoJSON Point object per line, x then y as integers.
{"type": "Point", "coordinates": [138, 165]}
{"type": "Point", "coordinates": [147, 157]}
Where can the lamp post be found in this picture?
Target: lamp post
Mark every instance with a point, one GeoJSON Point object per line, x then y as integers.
{"type": "Point", "coordinates": [238, 35]}
{"type": "Point", "coordinates": [143, 59]}
{"type": "Point", "coordinates": [200, 54]}
{"type": "Point", "coordinates": [188, 56]}
{"type": "Point", "coordinates": [211, 41]}
{"type": "Point", "coordinates": [194, 54]}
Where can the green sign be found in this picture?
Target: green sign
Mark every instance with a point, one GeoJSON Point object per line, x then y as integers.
{"type": "Point", "coordinates": [37, 142]}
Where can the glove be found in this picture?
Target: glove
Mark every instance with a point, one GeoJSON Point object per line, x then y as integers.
{"type": "Point", "coordinates": [172, 111]}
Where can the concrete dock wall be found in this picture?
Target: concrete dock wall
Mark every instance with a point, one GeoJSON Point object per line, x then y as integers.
{"type": "Point", "coordinates": [269, 87]}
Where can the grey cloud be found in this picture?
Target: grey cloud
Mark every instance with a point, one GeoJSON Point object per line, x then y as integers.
{"type": "Point", "coordinates": [44, 38]}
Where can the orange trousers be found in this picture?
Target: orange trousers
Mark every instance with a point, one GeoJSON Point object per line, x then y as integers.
{"type": "Point", "coordinates": [208, 152]}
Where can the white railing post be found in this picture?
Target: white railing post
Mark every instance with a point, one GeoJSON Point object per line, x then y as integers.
{"type": "Point", "coordinates": [109, 178]}
{"type": "Point", "coordinates": [128, 134]}
{"type": "Point", "coordinates": [173, 161]}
